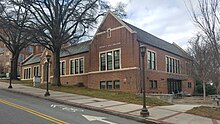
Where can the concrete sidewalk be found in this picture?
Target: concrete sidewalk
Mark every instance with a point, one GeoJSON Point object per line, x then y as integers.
{"type": "Point", "coordinates": [160, 114]}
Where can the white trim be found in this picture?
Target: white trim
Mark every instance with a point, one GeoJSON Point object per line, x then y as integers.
{"type": "Point", "coordinates": [74, 75]}
{"type": "Point", "coordinates": [172, 63]}
{"type": "Point", "coordinates": [96, 72]}
{"type": "Point", "coordinates": [119, 20]}
{"type": "Point", "coordinates": [78, 66]}
{"type": "Point", "coordinates": [62, 67]}
{"type": "Point", "coordinates": [38, 70]}
{"type": "Point", "coordinates": [109, 33]}
{"type": "Point", "coordinates": [29, 72]}
{"type": "Point", "coordinates": [112, 29]}
{"type": "Point", "coordinates": [122, 69]}
{"type": "Point", "coordinates": [155, 58]}
{"type": "Point", "coordinates": [112, 50]}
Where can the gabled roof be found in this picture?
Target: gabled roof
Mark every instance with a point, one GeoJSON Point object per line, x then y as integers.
{"type": "Point", "coordinates": [147, 38]}
{"type": "Point", "coordinates": [75, 49]}
{"type": "Point", "coordinates": [32, 59]}
{"type": "Point", "coordinates": [67, 51]}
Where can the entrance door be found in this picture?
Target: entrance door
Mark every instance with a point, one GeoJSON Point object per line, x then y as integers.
{"type": "Point", "coordinates": [174, 86]}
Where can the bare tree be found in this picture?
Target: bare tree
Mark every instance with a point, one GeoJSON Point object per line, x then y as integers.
{"type": "Point", "coordinates": [200, 51]}
{"type": "Point", "coordinates": [13, 23]}
{"type": "Point", "coordinates": [206, 17]}
{"type": "Point", "coordinates": [57, 22]}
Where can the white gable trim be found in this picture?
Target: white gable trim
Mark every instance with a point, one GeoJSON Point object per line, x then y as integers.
{"type": "Point", "coordinates": [119, 20]}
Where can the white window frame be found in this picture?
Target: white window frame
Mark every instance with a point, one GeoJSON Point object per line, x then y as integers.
{"type": "Point", "coordinates": [112, 50]}
{"type": "Point", "coordinates": [64, 67]}
{"type": "Point", "coordinates": [109, 32]}
{"type": "Point", "coordinates": [155, 58]}
{"type": "Point", "coordinates": [28, 73]}
{"type": "Point", "coordinates": [38, 70]}
{"type": "Point", "coordinates": [78, 66]}
{"type": "Point", "coordinates": [172, 65]}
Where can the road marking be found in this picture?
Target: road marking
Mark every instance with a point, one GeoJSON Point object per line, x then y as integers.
{"type": "Point", "coordinates": [57, 121]}
{"type": "Point", "coordinates": [95, 118]}
{"type": "Point", "coordinates": [69, 109]}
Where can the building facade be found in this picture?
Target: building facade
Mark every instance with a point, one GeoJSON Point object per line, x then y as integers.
{"type": "Point", "coordinates": [112, 61]}
{"type": "Point", "coordinates": [5, 56]}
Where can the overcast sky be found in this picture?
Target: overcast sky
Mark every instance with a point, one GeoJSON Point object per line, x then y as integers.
{"type": "Point", "coordinates": [166, 19]}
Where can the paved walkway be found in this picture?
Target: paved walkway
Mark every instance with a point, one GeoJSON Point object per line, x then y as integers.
{"type": "Point", "coordinates": [160, 114]}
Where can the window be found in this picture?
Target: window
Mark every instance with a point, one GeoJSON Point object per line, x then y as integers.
{"type": "Point", "coordinates": [111, 61]}
{"type": "Point", "coordinates": [102, 85]}
{"type": "Point", "coordinates": [36, 71]}
{"type": "Point", "coordinates": [172, 65]}
{"type": "Point", "coordinates": [109, 33]}
{"type": "Point", "coordinates": [71, 66]}
{"type": "Point", "coordinates": [27, 73]}
{"type": "Point", "coordinates": [117, 84]}
{"type": "Point", "coordinates": [62, 68]}
{"type": "Point", "coordinates": [102, 57]}
{"type": "Point", "coordinates": [77, 66]}
{"type": "Point", "coordinates": [189, 85]}
{"type": "Point", "coordinates": [116, 59]}
{"type": "Point", "coordinates": [109, 85]}
{"type": "Point", "coordinates": [151, 57]}
{"type": "Point", "coordinates": [81, 65]}
{"type": "Point", "coordinates": [152, 84]}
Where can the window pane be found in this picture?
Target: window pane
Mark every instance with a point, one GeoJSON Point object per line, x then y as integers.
{"type": "Point", "coordinates": [63, 68]}
{"type": "Point", "coordinates": [171, 61]}
{"type": "Point", "coordinates": [116, 59]}
{"type": "Point", "coordinates": [149, 59]}
{"type": "Point", "coordinates": [109, 84]}
{"type": "Point", "coordinates": [109, 60]}
{"type": "Point", "coordinates": [76, 66]}
{"type": "Point", "coordinates": [167, 62]}
{"type": "Point", "coordinates": [117, 84]}
{"type": "Point", "coordinates": [72, 67]}
{"type": "Point", "coordinates": [102, 85]}
{"type": "Point", "coordinates": [150, 84]}
{"type": "Point", "coordinates": [153, 61]}
{"type": "Point", "coordinates": [102, 61]}
{"type": "Point", "coordinates": [81, 65]}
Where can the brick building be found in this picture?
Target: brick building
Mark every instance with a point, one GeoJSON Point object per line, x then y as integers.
{"type": "Point", "coordinates": [111, 60]}
{"type": "Point", "coordinates": [5, 56]}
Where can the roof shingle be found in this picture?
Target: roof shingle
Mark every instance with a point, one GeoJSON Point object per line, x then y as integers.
{"type": "Point", "coordinates": [147, 38]}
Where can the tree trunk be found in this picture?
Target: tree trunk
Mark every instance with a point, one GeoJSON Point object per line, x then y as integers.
{"type": "Point", "coordinates": [56, 68]}
{"type": "Point", "coordinates": [14, 65]}
{"type": "Point", "coordinates": [204, 92]}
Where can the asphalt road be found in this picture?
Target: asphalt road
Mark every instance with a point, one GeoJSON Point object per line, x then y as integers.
{"type": "Point", "coordinates": [22, 109]}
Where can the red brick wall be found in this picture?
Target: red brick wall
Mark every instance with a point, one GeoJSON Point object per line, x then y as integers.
{"type": "Point", "coordinates": [129, 73]}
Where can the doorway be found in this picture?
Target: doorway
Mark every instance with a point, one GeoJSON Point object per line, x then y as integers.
{"type": "Point", "coordinates": [174, 86]}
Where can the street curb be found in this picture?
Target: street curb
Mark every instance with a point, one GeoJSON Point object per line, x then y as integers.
{"type": "Point", "coordinates": [127, 116]}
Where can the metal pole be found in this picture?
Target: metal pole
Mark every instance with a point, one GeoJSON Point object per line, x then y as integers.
{"type": "Point", "coordinates": [47, 92]}
{"type": "Point", "coordinates": [144, 111]}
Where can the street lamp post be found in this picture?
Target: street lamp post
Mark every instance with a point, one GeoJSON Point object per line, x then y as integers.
{"type": "Point", "coordinates": [48, 63]}
{"type": "Point", "coordinates": [144, 112]}
{"type": "Point", "coordinates": [10, 86]}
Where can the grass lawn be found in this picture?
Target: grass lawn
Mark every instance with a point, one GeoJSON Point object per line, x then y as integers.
{"type": "Point", "coordinates": [205, 111]}
{"type": "Point", "coordinates": [105, 94]}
